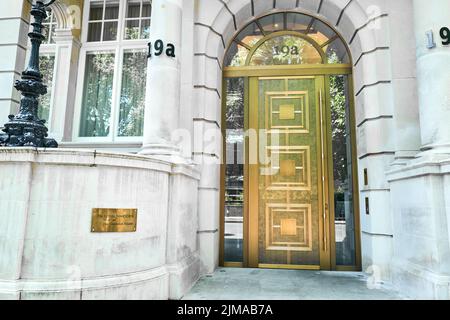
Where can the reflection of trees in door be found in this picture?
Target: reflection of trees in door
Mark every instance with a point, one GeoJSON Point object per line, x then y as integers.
{"type": "Point", "coordinates": [342, 171]}
{"type": "Point", "coordinates": [234, 181]}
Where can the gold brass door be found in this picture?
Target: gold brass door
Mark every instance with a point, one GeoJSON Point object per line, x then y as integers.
{"type": "Point", "coordinates": [287, 185]}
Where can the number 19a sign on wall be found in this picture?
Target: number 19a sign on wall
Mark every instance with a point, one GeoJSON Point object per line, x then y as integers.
{"type": "Point", "coordinates": [159, 48]}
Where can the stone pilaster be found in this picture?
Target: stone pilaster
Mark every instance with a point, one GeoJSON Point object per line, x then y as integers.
{"type": "Point", "coordinates": [432, 75]}
{"type": "Point", "coordinates": [420, 195]}
{"type": "Point", "coordinates": [404, 83]}
{"type": "Point", "coordinates": [163, 81]}
{"type": "Point", "coordinates": [66, 62]}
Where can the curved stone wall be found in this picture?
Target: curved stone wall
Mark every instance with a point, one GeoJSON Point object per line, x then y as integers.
{"type": "Point", "coordinates": [46, 243]}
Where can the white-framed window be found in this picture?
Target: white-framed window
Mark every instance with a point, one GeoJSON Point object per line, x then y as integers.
{"type": "Point", "coordinates": [112, 71]}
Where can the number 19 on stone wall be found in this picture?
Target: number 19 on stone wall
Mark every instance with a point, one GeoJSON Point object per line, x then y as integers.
{"type": "Point", "coordinates": [158, 48]}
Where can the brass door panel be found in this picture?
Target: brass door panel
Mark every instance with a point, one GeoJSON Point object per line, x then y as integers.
{"type": "Point", "coordinates": [287, 195]}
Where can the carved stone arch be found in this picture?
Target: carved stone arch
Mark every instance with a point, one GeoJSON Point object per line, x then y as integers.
{"type": "Point", "coordinates": [363, 24]}
{"type": "Point", "coordinates": [68, 13]}
{"type": "Point", "coordinates": [348, 17]}
{"type": "Point", "coordinates": [59, 9]}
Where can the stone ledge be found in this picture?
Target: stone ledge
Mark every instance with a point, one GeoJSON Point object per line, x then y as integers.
{"type": "Point", "coordinates": [178, 277]}
{"type": "Point", "coordinates": [190, 170]}
{"type": "Point", "coordinates": [426, 166]}
{"type": "Point", "coordinates": [377, 234]}
{"type": "Point", "coordinates": [93, 158]}
{"type": "Point", "coordinates": [11, 286]}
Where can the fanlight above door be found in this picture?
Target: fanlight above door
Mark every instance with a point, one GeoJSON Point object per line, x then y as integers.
{"type": "Point", "coordinates": [286, 38]}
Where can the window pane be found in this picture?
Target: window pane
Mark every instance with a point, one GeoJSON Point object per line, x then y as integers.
{"type": "Point", "coordinates": [250, 35]}
{"type": "Point", "coordinates": [134, 9]}
{"type": "Point", "coordinates": [97, 95]}
{"type": "Point", "coordinates": [337, 52]}
{"type": "Point", "coordinates": [46, 65]}
{"type": "Point", "coordinates": [110, 31]}
{"type": "Point", "coordinates": [236, 55]}
{"type": "Point", "coordinates": [132, 96]}
{"type": "Point", "coordinates": [321, 32]}
{"type": "Point", "coordinates": [94, 31]}
{"type": "Point", "coordinates": [234, 180]}
{"type": "Point", "coordinates": [286, 50]}
{"type": "Point", "coordinates": [146, 9]}
{"type": "Point", "coordinates": [298, 22]}
{"type": "Point", "coordinates": [132, 29]}
{"type": "Point", "coordinates": [273, 22]}
{"type": "Point", "coordinates": [145, 29]}
{"type": "Point", "coordinates": [96, 11]}
{"type": "Point", "coordinates": [343, 177]}
{"type": "Point", "coordinates": [112, 10]}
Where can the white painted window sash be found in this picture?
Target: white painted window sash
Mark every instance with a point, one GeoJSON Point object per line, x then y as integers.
{"type": "Point", "coordinates": [118, 47]}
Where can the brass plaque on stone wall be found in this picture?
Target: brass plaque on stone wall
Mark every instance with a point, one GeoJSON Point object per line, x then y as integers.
{"type": "Point", "coordinates": [113, 220]}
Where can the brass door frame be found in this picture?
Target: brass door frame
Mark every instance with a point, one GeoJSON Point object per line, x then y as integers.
{"type": "Point", "coordinates": [327, 258]}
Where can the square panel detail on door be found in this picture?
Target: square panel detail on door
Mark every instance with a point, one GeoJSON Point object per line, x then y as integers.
{"type": "Point", "coordinates": [288, 111]}
{"type": "Point", "coordinates": [285, 210]}
{"type": "Point", "coordinates": [290, 167]}
{"type": "Point", "coordinates": [288, 227]}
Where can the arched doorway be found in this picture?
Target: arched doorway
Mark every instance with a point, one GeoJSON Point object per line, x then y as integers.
{"type": "Point", "coordinates": [289, 181]}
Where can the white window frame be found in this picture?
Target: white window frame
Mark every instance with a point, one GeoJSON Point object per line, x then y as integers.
{"type": "Point", "coordinates": [118, 47]}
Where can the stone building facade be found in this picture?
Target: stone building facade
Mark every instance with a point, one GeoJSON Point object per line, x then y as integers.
{"type": "Point", "coordinates": [147, 131]}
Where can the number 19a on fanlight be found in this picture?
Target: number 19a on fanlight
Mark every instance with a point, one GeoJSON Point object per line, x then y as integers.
{"type": "Point", "coordinates": [285, 50]}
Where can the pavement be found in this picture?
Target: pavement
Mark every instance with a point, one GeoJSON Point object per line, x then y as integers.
{"type": "Point", "coordinates": [272, 284]}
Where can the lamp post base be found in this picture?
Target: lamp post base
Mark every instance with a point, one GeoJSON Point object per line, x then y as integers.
{"type": "Point", "coordinates": [22, 133]}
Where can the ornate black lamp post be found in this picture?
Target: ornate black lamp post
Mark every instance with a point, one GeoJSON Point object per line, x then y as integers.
{"type": "Point", "coordinates": [25, 128]}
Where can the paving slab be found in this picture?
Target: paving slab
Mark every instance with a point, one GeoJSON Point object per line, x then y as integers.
{"type": "Point", "coordinates": [270, 284]}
